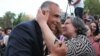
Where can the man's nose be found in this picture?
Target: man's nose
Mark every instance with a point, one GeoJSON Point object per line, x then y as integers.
{"type": "Point", "coordinates": [58, 21]}
{"type": "Point", "coordinates": [62, 26]}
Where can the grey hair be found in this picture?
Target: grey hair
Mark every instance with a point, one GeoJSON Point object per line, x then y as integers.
{"type": "Point", "coordinates": [79, 24]}
{"type": "Point", "coordinates": [46, 4]}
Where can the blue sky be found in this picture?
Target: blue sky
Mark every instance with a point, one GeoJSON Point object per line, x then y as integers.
{"type": "Point", "coordinates": [29, 7]}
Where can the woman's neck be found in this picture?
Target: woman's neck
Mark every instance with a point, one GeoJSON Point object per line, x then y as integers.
{"type": "Point", "coordinates": [72, 36]}
{"type": "Point", "coordinates": [92, 35]}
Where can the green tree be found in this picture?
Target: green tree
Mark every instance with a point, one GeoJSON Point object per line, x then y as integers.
{"type": "Point", "coordinates": [93, 6]}
{"type": "Point", "coordinates": [1, 22]}
{"type": "Point", "coordinates": [21, 18]}
{"type": "Point", "coordinates": [7, 18]}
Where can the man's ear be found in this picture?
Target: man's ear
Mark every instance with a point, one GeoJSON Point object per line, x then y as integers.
{"type": "Point", "coordinates": [43, 11]}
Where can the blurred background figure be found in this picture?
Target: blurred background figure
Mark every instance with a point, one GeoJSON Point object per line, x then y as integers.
{"type": "Point", "coordinates": [94, 36]}
{"type": "Point", "coordinates": [7, 32]}
{"type": "Point", "coordinates": [96, 19]}
{"type": "Point", "coordinates": [87, 18]}
{"type": "Point", "coordinates": [1, 43]}
{"type": "Point", "coordinates": [1, 37]}
{"type": "Point", "coordinates": [79, 7]}
{"type": "Point", "coordinates": [4, 36]}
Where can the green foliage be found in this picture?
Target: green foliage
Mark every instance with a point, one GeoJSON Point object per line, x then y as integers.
{"type": "Point", "coordinates": [21, 18]}
{"type": "Point", "coordinates": [10, 19]}
{"type": "Point", "coordinates": [93, 6]}
{"type": "Point", "coordinates": [1, 22]}
{"type": "Point", "coordinates": [7, 19]}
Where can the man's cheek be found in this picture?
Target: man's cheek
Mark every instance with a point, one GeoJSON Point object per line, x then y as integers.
{"type": "Point", "coordinates": [53, 27]}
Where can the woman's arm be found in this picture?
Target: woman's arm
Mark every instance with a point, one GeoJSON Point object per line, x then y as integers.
{"type": "Point", "coordinates": [48, 35]}
{"type": "Point", "coordinates": [49, 38]}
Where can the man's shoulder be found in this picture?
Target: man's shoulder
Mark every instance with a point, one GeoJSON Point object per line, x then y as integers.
{"type": "Point", "coordinates": [28, 23]}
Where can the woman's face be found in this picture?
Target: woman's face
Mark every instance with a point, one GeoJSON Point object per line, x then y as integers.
{"type": "Point", "coordinates": [93, 27]}
{"type": "Point", "coordinates": [68, 29]}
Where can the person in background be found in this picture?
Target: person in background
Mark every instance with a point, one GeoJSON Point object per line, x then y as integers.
{"type": "Point", "coordinates": [1, 43]}
{"type": "Point", "coordinates": [79, 7]}
{"type": "Point", "coordinates": [99, 27]}
{"type": "Point", "coordinates": [96, 19]}
{"type": "Point", "coordinates": [87, 18]}
{"type": "Point", "coordinates": [7, 32]}
{"type": "Point", "coordinates": [75, 33]}
{"type": "Point", "coordinates": [1, 37]}
{"type": "Point", "coordinates": [95, 37]}
{"type": "Point", "coordinates": [94, 29]}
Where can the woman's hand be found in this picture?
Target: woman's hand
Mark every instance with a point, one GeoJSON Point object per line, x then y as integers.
{"type": "Point", "coordinates": [42, 16]}
{"type": "Point", "coordinates": [59, 49]}
{"type": "Point", "coordinates": [97, 38]}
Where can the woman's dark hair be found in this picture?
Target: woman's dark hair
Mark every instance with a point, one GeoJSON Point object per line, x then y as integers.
{"type": "Point", "coordinates": [96, 17]}
{"type": "Point", "coordinates": [62, 21]}
{"type": "Point", "coordinates": [97, 29]}
{"type": "Point", "coordinates": [6, 29]}
{"type": "Point", "coordinates": [79, 24]}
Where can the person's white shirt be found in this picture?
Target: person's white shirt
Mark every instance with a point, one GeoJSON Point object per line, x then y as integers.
{"type": "Point", "coordinates": [5, 39]}
{"type": "Point", "coordinates": [80, 4]}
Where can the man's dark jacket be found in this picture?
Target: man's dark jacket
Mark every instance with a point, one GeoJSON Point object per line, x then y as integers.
{"type": "Point", "coordinates": [25, 40]}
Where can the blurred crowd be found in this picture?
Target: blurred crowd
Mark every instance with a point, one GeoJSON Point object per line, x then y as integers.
{"type": "Point", "coordinates": [4, 36]}
{"type": "Point", "coordinates": [93, 33]}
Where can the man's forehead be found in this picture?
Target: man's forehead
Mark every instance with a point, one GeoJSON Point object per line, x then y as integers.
{"type": "Point", "coordinates": [54, 9]}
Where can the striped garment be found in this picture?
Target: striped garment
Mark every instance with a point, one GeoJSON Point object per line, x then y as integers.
{"type": "Point", "coordinates": [45, 50]}
{"type": "Point", "coordinates": [79, 46]}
